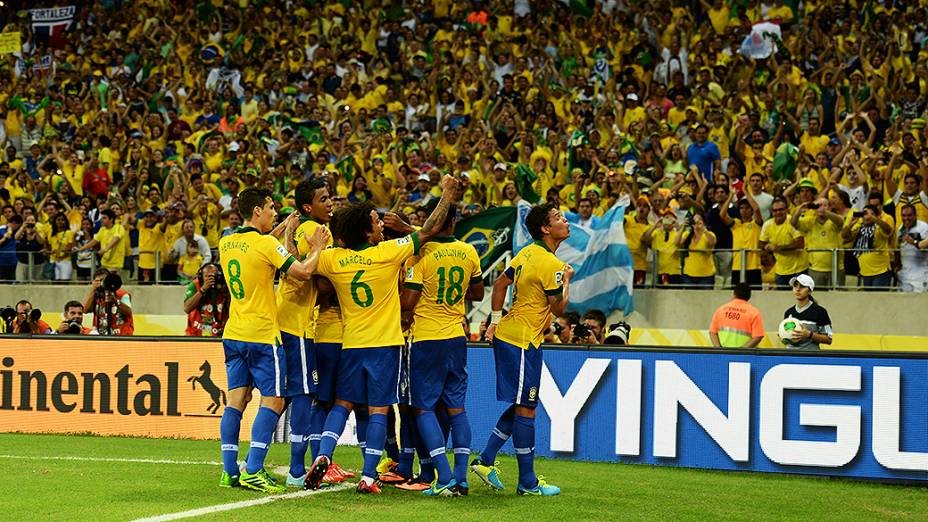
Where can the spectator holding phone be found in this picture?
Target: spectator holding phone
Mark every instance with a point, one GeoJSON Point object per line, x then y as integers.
{"type": "Point", "coordinates": [696, 243]}
{"type": "Point", "coordinates": [30, 246]}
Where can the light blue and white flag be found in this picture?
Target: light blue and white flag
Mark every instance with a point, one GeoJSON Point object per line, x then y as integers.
{"type": "Point", "coordinates": [602, 262]}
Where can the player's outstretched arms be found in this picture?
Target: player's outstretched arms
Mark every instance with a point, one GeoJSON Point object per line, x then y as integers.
{"type": "Point", "coordinates": [433, 224]}
{"type": "Point", "coordinates": [304, 270]}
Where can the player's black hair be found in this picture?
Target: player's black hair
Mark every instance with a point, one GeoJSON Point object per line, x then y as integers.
{"type": "Point", "coordinates": [449, 219]}
{"type": "Point", "coordinates": [537, 218]}
{"type": "Point", "coordinates": [351, 224]}
{"type": "Point", "coordinates": [389, 233]}
{"type": "Point", "coordinates": [73, 304]}
{"type": "Point", "coordinates": [305, 191]}
{"type": "Point", "coordinates": [109, 213]}
{"type": "Point", "coordinates": [252, 198]}
{"type": "Point", "coordinates": [743, 291]}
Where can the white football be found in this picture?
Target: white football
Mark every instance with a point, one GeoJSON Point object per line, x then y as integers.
{"type": "Point", "coordinates": [786, 329]}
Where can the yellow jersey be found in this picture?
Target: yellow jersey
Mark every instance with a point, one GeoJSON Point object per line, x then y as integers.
{"type": "Point", "coordinates": [249, 260]}
{"type": "Point", "coordinates": [190, 265]}
{"type": "Point", "coordinates": [366, 281]}
{"type": "Point", "coordinates": [745, 235]}
{"type": "Point", "coordinates": [790, 261]}
{"type": "Point", "coordinates": [664, 244]}
{"type": "Point", "coordinates": [296, 300]}
{"type": "Point", "coordinates": [698, 262]}
{"type": "Point", "coordinates": [536, 273]}
{"type": "Point", "coordinates": [633, 233]}
{"type": "Point", "coordinates": [59, 241]}
{"type": "Point", "coordinates": [328, 323]}
{"type": "Point", "coordinates": [821, 236]}
{"type": "Point", "coordinates": [446, 268]}
{"type": "Point", "coordinates": [875, 258]}
{"type": "Point", "coordinates": [151, 240]}
{"type": "Point", "coordinates": [114, 258]}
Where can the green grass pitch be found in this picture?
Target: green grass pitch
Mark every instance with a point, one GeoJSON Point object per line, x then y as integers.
{"type": "Point", "coordinates": [48, 477]}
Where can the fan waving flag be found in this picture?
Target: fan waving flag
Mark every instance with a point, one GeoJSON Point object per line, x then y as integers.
{"type": "Point", "coordinates": [50, 24]}
{"type": "Point", "coordinates": [603, 271]}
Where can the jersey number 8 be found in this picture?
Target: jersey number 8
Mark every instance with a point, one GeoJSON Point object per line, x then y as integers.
{"type": "Point", "coordinates": [236, 287]}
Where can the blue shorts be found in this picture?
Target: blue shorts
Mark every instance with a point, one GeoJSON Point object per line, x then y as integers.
{"type": "Point", "coordinates": [438, 371]}
{"type": "Point", "coordinates": [518, 373]}
{"type": "Point", "coordinates": [263, 366]}
{"type": "Point", "coordinates": [327, 355]}
{"type": "Point", "coordinates": [301, 365]}
{"type": "Point", "coordinates": [369, 376]}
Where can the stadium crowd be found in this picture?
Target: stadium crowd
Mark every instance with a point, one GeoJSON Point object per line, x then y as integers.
{"type": "Point", "coordinates": [126, 148]}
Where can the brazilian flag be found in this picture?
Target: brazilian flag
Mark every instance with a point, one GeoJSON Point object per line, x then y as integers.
{"type": "Point", "coordinates": [784, 161]}
{"type": "Point", "coordinates": [490, 233]}
{"type": "Point", "coordinates": [345, 167]}
{"type": "Point", "coordinates": [525, 179]}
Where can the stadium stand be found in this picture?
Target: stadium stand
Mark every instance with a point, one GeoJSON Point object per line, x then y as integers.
{"type": "Point", "coordinates": [161, 112]}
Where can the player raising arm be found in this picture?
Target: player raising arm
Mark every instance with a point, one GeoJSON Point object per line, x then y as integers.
{"type": "Point", "coordinates": [447, 273]}
{"type": "Point", "coordinates": [541, 287]}
{"type": "Point", "coordinates": [254, 355]}
{"type": "Point", "coordinates": [364, 273]}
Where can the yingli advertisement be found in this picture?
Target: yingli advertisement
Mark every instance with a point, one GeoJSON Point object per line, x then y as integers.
{"type": "Point", "coordinates": [113, 387]}
{"type": "Point", "coordinates": [820, 413]}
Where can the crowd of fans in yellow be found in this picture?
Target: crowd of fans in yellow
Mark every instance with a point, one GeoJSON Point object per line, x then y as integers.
{"type": "Point", "coordinates": [126, 148]}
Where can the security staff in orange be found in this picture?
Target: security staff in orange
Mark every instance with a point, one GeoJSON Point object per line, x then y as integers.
{"type": "Point", "coordinates": [737, 324]}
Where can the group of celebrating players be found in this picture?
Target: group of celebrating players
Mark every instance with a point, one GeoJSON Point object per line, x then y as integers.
{"type": "Point", "coordinates": [331, 341]}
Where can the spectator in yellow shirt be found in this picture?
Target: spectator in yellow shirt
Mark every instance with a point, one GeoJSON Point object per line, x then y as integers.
{"type": "Point", "coordinates": [871, 236]}
{"type": "Point", "coordinates": [662, 239]}
{"type": "Point", "coordinates": [780, 238]}
{"type": "Point", "coordinates": [635, 228]}
{"type": "Point", "coordinates": [697, 242]}
{"type": "Point", "coordinates": [821, 231]}
{"type": "Point", "coordinates": [190, 263]}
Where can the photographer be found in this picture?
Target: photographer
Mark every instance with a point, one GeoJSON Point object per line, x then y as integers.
{"type": "Point", "coordinates": [73, 323]}
{"type": "Point", "coordinates": [110, 304]}
{"type": "Point", "coordinates": [590, 329]}
{"type": "Point", "coordinates": [564, 326]}
{"type": "Point", "coordinates": [207, 303]}
{"type": "Point", "coordinates": [29, 320]}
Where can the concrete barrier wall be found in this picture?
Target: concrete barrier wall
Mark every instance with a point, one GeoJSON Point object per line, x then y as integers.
{"type": "Point", "coordinates": [851, 312]}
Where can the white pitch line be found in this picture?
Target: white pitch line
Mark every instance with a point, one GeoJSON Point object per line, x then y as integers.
{"type": "Point", "coordinates": [114, 459]}
{"type": "Point", "coordinates": [242, 504]}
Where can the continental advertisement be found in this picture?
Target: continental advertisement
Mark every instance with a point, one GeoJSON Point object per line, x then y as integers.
{"type": "Point", "coordinates": [142, 388]}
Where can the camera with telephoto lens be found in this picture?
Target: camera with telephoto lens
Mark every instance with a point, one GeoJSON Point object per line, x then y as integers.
{"type": "Point", "coordinates": [111, 283]}
{"type": "Point", "coordinates": [618, 334]}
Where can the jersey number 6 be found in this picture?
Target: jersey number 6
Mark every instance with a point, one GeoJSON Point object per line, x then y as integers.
{"type": "Point", "coordinates": [356, 286]}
